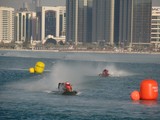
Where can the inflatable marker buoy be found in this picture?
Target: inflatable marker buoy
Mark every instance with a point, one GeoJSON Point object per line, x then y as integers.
{"type": "Point", "coordinates": [135, 95]}
{"type": "Point", "coordinates": [39, 67]}
{"type": "Point", "coordinates": [149, 90]}
{"type": "Point", "coordinates": [31, 70]}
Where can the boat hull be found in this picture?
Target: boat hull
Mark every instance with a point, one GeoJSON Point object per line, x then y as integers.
{"type": "Point", "coordinates": [70, 93]}
{"type": "Point", "coordinates": [103, 75]}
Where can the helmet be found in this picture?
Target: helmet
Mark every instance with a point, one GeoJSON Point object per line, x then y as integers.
{"type": "Point", "coordinates": [67, 83]}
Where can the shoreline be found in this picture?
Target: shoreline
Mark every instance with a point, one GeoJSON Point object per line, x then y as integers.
{"type": "Point", "coordinates": [81, 51]}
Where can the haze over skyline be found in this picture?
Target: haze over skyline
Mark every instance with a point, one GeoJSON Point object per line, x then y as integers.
{"type": "Point", "coordinates": [19, 3]}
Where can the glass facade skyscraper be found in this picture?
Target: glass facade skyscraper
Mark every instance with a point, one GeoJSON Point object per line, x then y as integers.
{"type": "Point", "coordinates": [79, 20]}
{"type": "Point", "coordinates": [115, 22]}
{"type": "Point", "coordinates": [141, 21]}
{"type": "Point", "coordinates": [134, 21]}
{"type": "Point", "coordinates": [50, 23]}
{"type": "Point", "coordinates": [103, 21]}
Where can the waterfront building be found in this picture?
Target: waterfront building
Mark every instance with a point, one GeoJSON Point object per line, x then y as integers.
{"type": "Point", "coordinates": [103, 21]}
{"type": "Point", "coordinates": [134, 22]}
{"type": "Point", "coordinates": [113, 22]}
{"type": "Point", "coordinates": [25, 26]}
{"type": "Point", "coordinates": [51, 21]}
{"type": "Point", "coordinates": [155, 30]}
{"type": "Point", "coordinates": [79, 21]}
{"type": "Point", "coordinates": [6, 24]}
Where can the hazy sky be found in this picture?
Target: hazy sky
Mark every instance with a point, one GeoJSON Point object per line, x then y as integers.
{"type": "Point", "coordinates": [19, 3]}
{"type": "Point", "coordinates": [155, 2]}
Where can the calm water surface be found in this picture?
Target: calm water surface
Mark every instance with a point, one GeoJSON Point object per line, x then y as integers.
{"type": "Point", "coordinates": [25, 96]}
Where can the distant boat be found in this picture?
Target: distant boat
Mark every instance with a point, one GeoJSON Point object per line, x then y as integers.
{"type": "Point", "coordinates": [105, 73]}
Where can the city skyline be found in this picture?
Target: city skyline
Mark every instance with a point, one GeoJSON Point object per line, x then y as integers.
{"type": "Point", "coordinates": [87, 21]}
{"type": "Point", "coordinates": [19, 3]}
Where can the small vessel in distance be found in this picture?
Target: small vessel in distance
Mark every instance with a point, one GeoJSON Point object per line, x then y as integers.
{"type": "Point", "coordinates": [105, 73]}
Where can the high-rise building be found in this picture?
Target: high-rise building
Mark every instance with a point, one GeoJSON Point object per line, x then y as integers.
{"type": "Point", "coordinates": [51, 21]}
{"type": "Point", "coordinates": [79, 21]}
{"type": "Point", "coordinates": [115, 22]}
{"type": "Point", "coordinates": [134, 21]}
{"type": "Point", "coordinates": [6, 24]}
{"type": "Point", "coordinates": [155, 30]}
{"type": "Point", "coordinates": [26, 26]}
{"type": "Point", "coordinates": [71, 20]}
{"type": "Point", "coordinates": [103, 21]}
{"type": "Point", "coordinates": [90, 21]}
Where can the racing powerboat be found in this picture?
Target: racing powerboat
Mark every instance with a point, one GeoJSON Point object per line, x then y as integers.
{"type": "Point", "coordinates": [104, 73]}
{"type": "Point", "coordinates": [66, 89]}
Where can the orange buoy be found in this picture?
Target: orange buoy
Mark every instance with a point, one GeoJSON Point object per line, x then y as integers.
{"type": "Point", "coordinates": [135, 95]}
{"type": "Point", "coordinates": [149, 90]}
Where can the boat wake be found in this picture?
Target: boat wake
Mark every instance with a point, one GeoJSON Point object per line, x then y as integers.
{"type": "Point", "coordinates": [116, 72]}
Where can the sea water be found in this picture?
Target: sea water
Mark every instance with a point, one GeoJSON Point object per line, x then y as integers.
{"type": "Point", "coordinates": [25, 96]}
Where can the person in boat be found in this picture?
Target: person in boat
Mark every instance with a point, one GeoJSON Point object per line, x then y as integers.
{"type": "Point", "coordinates": [68, 87]}
{"type": "Point", "coordinates": [65, 87]}
{"type": "Point", "coordinates": [105, 73]}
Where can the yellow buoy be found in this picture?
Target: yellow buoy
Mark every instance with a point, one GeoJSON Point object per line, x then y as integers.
{"type": "Point", "coordinates": [39, 67]}
{"type": "Point", "coordinates": [31, 70]}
